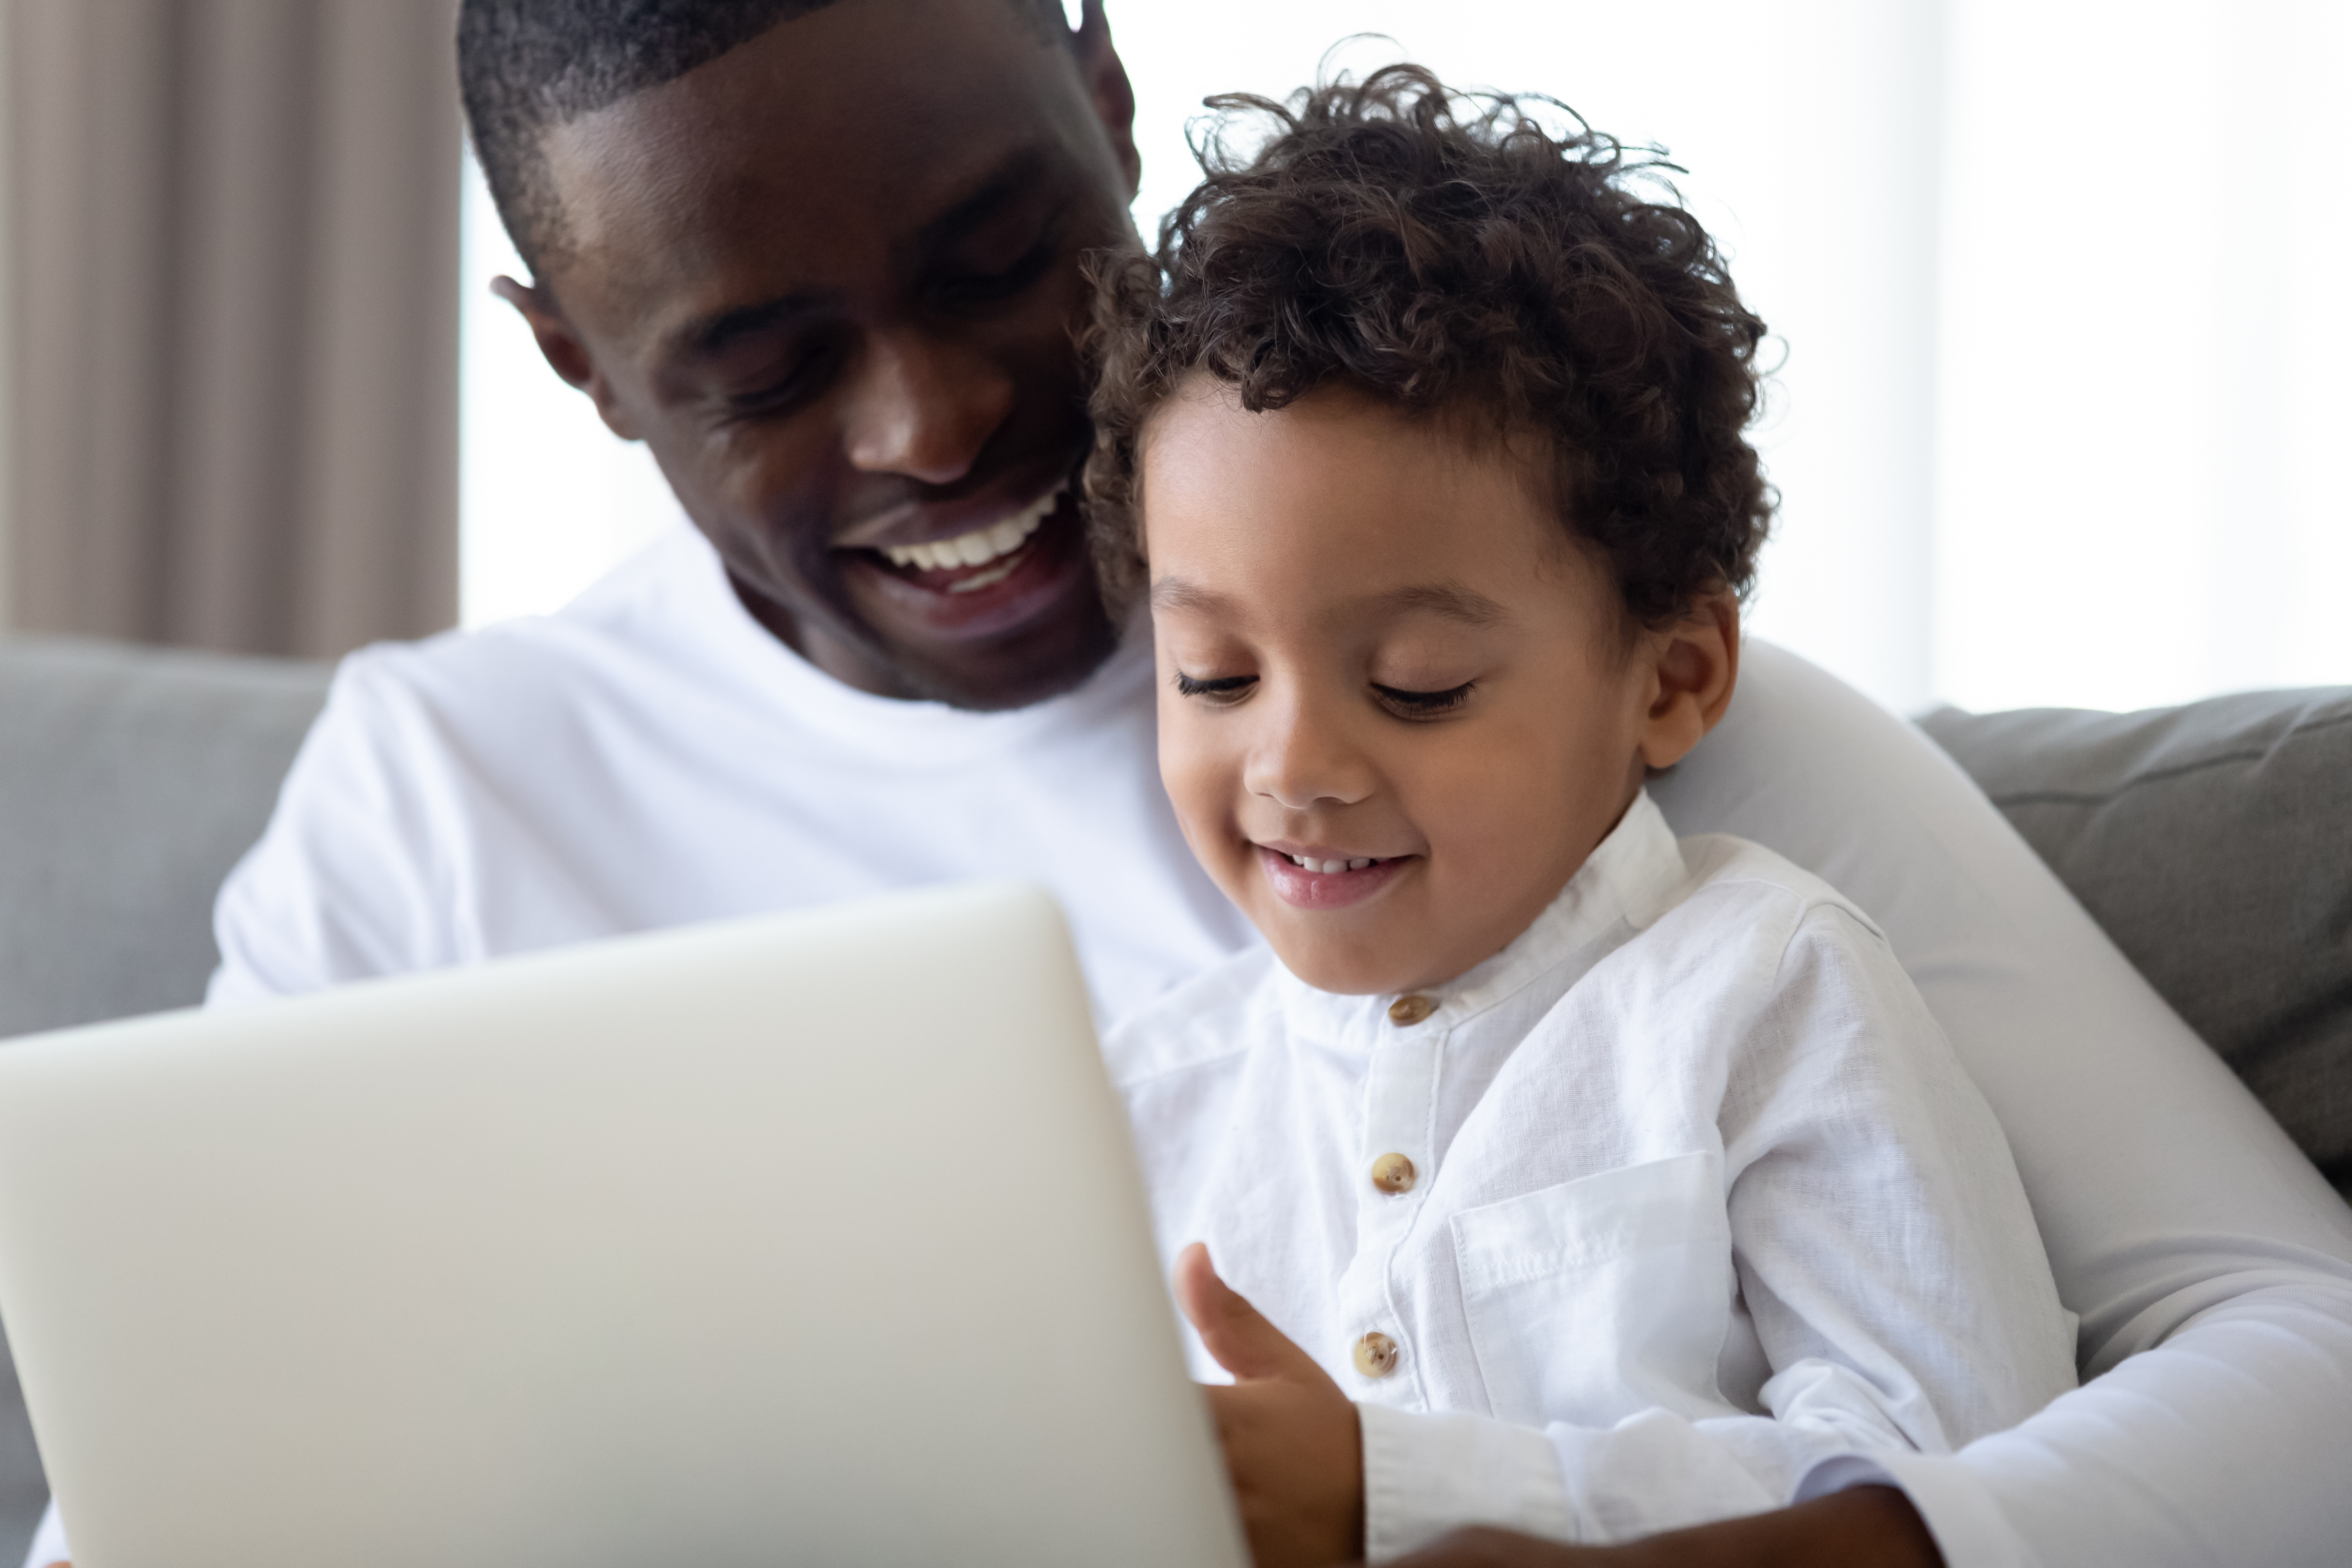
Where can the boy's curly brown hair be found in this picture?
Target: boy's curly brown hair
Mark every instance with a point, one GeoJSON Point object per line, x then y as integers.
{"type": "Point", "coordinates": [1446, 253]}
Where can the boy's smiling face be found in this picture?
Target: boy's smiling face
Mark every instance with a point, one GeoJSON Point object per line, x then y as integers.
{"type": "Point", "coordinates": [1381, 653]}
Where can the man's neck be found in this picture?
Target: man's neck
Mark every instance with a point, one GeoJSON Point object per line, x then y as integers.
{"type": "Point", "coordinates": [848, 665]}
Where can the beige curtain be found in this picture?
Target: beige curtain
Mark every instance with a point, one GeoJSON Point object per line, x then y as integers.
{"type": "Point", "coordinates": [231, 280]}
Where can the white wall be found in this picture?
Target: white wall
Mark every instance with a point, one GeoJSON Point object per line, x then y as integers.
{"type": "Point", "coordinates": [2054, 282]}
{"type": "Point", "coordinates": [2145, 347]}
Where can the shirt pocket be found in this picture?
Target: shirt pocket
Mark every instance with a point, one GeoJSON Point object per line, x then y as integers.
{"type": "Point", "coordinates": [1600, 1298]}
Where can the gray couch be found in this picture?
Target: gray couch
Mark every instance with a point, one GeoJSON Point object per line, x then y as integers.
{"type": "Point", "coordinates": [2213, 842]}
{"type": "Point", "coordinates": [129, 782]}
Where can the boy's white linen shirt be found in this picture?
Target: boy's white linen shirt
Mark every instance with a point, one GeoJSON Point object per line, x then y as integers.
{"type": "Point", "coordinates": [1704, 1202]}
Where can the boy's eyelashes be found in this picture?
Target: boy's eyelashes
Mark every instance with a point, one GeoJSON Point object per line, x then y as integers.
{"type": "Point", "coordinates": [1226, 689]}
{"type": "Point", "coordinates": [1425, 704]}
{"type": "Point", "coordinates": [1220, 690]}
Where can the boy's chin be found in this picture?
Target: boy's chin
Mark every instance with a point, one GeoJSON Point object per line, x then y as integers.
{"type": "Point", "coordinates": [1331, 962]}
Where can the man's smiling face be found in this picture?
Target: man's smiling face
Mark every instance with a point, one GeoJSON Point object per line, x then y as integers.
{"type": "Point", "coordinates": [831, 278]}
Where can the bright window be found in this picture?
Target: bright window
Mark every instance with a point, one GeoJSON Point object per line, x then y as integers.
{"type": "Point", "coordinates": [548, 499]}
{"type": "Point", "coordinates": [2058, 288]}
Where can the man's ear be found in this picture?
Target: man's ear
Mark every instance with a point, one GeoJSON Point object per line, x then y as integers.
{"type": "Point", "coordinates": [1695, 664]}
{"type": "Point", "coordinates": [566, 355]}
{"type": "Point", "coordinates": [1107, 84]}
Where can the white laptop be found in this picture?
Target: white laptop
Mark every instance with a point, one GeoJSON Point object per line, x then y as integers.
{"type": "Point", "coordinates": [809, 1239]}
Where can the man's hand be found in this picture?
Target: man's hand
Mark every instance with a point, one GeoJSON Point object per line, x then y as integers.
{"type": "Point", "coordinates": [1290, 1436]}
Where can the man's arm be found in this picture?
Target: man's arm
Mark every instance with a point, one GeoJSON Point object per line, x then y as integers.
{"type": "Point", "coordinates": [2209, 1264]}
{"type": "Point", "coordinates": [342, 884]}
{"type": "Point", "coordinates": [1863, 1527]}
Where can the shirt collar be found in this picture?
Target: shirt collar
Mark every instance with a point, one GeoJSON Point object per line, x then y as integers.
{"type": "Point", "coordinates": [925, 733]}
{"type": "Point", "coordinates": [1625, 884]}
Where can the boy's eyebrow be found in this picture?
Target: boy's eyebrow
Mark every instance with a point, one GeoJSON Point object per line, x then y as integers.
{"type": "Point", "coordinates": [1451, 600]}
{"type": "Point", "coordinates": [1175, 593]}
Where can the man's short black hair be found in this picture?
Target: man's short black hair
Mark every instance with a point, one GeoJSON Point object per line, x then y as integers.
{"type": "Point", "coordinates": [528, 66]}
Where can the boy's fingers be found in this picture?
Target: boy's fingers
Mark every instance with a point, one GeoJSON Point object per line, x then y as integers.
{"type": "Point", "coordinates": [1236, 1333]}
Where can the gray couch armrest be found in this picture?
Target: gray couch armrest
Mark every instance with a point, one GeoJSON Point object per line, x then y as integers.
{"type": "Point", "coordinates": [131, 780]}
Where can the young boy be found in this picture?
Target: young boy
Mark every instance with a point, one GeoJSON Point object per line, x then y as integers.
{"type": "Point", "coordinates": [1588, 1182]}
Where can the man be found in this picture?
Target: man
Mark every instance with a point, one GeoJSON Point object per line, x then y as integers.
{"type": "Point", "coordinates": [823, 257]}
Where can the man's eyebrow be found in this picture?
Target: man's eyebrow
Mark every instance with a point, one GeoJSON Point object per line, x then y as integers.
{"type": "Point", "coordinates": [712, 334]}
{"type": "Point", "coordinates": [1451, 600]}
{"type": "Point", "coordinates": [1013, 173]}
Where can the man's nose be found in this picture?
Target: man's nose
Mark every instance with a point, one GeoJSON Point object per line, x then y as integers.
{"type": "Point", "coordinates": [1307, 758]}
{"type": "Point", "coordinates": [922, 408]}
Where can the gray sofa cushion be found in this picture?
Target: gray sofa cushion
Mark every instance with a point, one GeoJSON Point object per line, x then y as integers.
{"type": "Point", "coordinates": [131, 780]}
{"type": "Point", "coordinates": [2214, 842]}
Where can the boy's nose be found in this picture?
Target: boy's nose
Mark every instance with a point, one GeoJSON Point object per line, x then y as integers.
{"type": "Point", "coordinates": [1307, 760]}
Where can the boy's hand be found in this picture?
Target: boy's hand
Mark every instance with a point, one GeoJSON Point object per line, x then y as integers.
{"type": "Point", "coordinates": [1291, 1440]}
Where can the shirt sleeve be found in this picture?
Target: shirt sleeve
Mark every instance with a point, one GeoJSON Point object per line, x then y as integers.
{"type": "Point", "coordinates": [344, 882]}
{"type": "Point", "coordinates": [2210, 1265]}
{"type": "Point", "coordinates": [48, 1540]}
{"type": "Point", "coordinates": [1886, 1256]}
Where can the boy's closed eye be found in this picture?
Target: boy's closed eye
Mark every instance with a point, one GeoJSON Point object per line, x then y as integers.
{"type": "Point", "coordinates": [1226, 689]}
{"type": "Point", "coordinates": [1426, 704]}
{"type": "Point", "coordinates": [1218, 690]}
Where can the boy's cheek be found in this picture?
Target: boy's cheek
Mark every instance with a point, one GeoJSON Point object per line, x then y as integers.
{"type": "Point", "coordinates": [1204, 786]}
{"type": "Point", "coordinates": [1184, 754]}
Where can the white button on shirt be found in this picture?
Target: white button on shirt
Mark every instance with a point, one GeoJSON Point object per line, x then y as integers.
{"type": "Point", "coordinates": [1701, 1200]}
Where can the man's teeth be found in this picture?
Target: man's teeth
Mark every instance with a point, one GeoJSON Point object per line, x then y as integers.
{"type": "Point", "coordinates": [1326, 867]}
{"type": "Point", "coordinates": [978, 547]}
{"type": "Point", "coordinates": [988, 579]}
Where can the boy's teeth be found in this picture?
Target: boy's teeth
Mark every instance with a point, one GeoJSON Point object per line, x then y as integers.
{"type": "Point", "coordinates": [978, 547]}
{"type": "Point", "coordinates": [1327, 867]}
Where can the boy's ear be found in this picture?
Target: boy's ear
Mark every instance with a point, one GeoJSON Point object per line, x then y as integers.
{"type": "Point", "coordinates": [1113, 100]}
{"type": "Point", "coordinates": [566, 355]}
{"type": "Point", "coordinates": [1694, 665]}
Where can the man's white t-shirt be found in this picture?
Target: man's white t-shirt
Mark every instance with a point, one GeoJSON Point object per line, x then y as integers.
{"type": "Point", "coordinates": [651, 756]}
